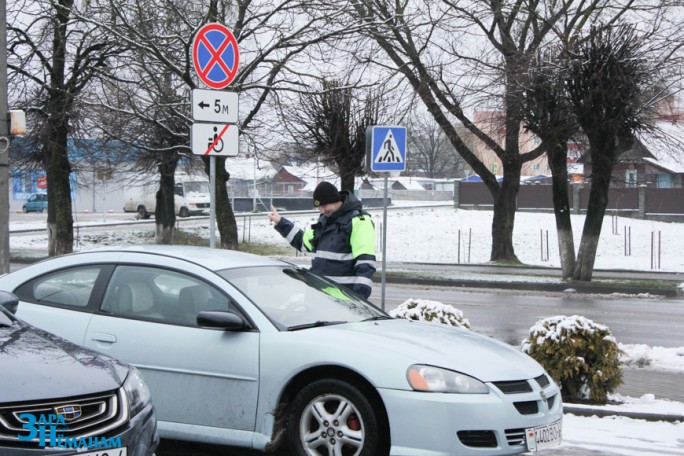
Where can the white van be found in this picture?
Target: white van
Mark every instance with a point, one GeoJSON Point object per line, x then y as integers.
{"type": "Point", "coordinates": [191, 196]}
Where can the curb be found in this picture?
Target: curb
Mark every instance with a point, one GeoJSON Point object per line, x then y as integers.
{"type": "Point", "coordinates": [601, 413]}
{"type": "Point", "coordinates": [535, 286]}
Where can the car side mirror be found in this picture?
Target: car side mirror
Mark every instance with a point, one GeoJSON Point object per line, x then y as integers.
{"type": "Point", "coordinates": [226, 320]}
{"type": "Point", "coordinates": [9, 301]}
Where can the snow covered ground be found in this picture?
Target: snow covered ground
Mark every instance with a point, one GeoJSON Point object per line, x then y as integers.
{"type": "Point", "coordinates": [432, 233]}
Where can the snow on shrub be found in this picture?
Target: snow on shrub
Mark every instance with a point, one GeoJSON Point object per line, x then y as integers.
{"type": "Point", "coordinates": [579, 353]}
{"type": "Point", "coordinates": [431, 311]}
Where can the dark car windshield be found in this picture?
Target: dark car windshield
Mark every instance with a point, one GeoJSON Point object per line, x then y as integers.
{"type": "Point", "coordinates": [293, 297]}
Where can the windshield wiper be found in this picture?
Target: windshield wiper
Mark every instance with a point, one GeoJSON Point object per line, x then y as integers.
{"type": "Point", "coordinates": [315, 324]}
{"type": "Point", "coordinates": [379, 317]}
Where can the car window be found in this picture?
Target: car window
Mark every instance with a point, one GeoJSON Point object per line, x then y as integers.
{"type": "Point", "coordinates": [291, 296]}
{"type": "Point", "coordinates": [178, 189]}
{"type": "Point", "coordinates": [70, 288]}
{"type": "Point", "coordinates": [160, 295]}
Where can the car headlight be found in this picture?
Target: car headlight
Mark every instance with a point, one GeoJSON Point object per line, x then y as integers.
{"type": "Point", "coordinates": [438, 380]}
{"type": "Point", "coordinates": [136, 390]}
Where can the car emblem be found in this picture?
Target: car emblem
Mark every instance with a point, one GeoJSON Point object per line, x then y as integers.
{"type": "Point", "coordinates": [69, 412]}
{"type": "Point", "coordinates": [543, 395]}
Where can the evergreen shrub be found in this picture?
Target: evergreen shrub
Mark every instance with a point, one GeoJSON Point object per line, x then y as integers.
{"type": "Point", "coordinates": [579, 353]}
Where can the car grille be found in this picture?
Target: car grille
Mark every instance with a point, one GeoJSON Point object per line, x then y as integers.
{"type": "Point", "coordinates": [515, 436]}
{"type": "Point", "coordinates": [514, 387]}
{"type": "Point", "coordinates": [523, 386]}
{"type": "Point", "coordinates": [95, 416]}
{"type": "Point", "coordinates": [477, 439]}
{"type": "Point", "coordinates": [527, 407]}
{"type": "Point", "coordinates": [543, 381]}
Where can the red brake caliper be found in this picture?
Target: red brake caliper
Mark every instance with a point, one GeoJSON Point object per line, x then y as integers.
{"type": "Point", "coordinates": [353, 422]}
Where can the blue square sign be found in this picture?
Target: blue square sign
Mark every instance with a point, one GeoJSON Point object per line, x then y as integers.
{"type": "Point", "coordinates": [387, 151]}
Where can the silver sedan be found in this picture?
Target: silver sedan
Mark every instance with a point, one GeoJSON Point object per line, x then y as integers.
{"type": "Point", "coordinates": [249, 351]}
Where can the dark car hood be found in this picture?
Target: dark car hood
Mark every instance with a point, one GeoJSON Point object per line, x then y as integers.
{"type": "Point", "coordinates": [37, 365]}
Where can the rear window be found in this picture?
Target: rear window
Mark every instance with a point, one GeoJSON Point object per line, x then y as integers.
{"type": "Point", "coordinates": [67, 288]}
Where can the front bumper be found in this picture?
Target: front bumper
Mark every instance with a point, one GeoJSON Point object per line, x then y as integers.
{"type": "Point", "coordinates": [139, 436]}
{"type": "Point", "coordinates": [437, 424]}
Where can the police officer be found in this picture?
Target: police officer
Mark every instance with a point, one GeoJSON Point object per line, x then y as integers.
{"type": "Point", "coordinates": [342, 241]}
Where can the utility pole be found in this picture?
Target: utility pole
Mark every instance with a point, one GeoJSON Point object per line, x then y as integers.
{"type": "Point", "coordinates": [4, 145]}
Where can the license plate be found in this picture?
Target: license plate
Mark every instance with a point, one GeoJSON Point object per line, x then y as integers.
{"type": "Point", "coordinates": [108, 452]}
{"type": "Point", "coordinates": [543, 437]}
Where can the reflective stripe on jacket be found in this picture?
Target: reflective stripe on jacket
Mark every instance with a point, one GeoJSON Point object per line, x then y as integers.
{"type": "Point", "coordinates": [343, 245]}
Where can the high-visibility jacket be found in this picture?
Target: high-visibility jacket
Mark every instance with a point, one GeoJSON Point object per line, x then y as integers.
{"type": "Point", "coordinates": [343, 245]}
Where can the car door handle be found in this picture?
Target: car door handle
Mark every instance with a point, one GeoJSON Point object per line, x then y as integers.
{"type": "Point", "coordinates": [101, 337]}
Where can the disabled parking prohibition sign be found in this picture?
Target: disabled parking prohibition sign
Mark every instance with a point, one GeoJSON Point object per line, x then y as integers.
{"type": "Point", "coordinates": [215, 55]}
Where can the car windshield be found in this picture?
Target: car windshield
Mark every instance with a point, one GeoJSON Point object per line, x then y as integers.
{"type": "Point", "coordinates": [196, 187]}
{"type": "Point", "coordinates": [294, 298]}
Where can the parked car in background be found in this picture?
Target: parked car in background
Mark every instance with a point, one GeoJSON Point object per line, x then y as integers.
{"type": "Point", "coordinates": [191, 195]}
{"type": "Point", "coordinates": [37, 202]}
{"type": "Point", "coordinates": [58, 398]}
{"type": "Point", "coordinates": [249, 351]}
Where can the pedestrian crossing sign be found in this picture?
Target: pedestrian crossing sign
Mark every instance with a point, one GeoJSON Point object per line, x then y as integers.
{"type": "Point", "coordinates": [386, 148]}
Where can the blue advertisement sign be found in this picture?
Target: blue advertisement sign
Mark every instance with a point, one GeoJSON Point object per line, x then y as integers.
{"type": "Point", "coordinates": [26, 183]}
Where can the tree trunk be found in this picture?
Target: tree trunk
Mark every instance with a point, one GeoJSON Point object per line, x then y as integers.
{"type": "Point", "coordinates": [165, 211]}
{"type": "Point", "coordinates": [557, 156]}
{"type": "Point", "coordinates": [602, 167]}
{"type": "Point", "coordinates": [505, 205]}
{"type": "Point", "coordinates": [60, 220]}
{"type": "Point", "coordinates": [347, 180]}
{"type": "Point", "coordinates": [225, 217]}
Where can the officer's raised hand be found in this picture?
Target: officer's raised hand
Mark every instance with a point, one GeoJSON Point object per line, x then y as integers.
{"type": "Point", "coordinates": [274, 216]}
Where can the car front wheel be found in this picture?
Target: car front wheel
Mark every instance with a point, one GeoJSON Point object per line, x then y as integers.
{"type": "Point", "coordinates": [333, 417]}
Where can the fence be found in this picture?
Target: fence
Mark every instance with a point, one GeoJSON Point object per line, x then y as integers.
{"type": "Point", "coordinates": [643, 202]}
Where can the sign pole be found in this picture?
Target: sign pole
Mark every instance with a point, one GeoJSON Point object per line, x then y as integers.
{"type": "Point", "coordinates": [215, 57]}
{"type": "Point", "coordinates": [212, 201]}
{"type": "Point", "coordinates": [384, 240]}
{"type": "Point", "coordinates": [385, 152]}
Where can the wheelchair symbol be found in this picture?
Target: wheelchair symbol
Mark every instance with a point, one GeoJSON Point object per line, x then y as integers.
{"type": "Point", "coordinates": [217, 145]}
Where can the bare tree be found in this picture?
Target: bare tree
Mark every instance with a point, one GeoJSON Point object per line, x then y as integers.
{"type": "Point", "coordinates": [329, 125]}
{"type": "Point", "coordinates": [53, 58]}
{"type": "Point", "coordinates": [432, 155]}
{"type": "Point", "coordinates": [273, 39]}
{"type": "Point", "coordinates": [146, 107]}
{"type": "Point", "coordinates": [609, 79]}
{"type": "Point", "coordinates": [549, 116]}
{"type": "Point", "coordinates": [603, 86]}
{"type": "Point", "coordinates": [460, 55]}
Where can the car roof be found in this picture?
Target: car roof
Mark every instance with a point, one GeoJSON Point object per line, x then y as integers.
{"type": "Point", "coordinates": [213, 259]}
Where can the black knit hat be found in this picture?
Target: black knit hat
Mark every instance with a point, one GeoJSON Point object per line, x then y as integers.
{"type": "Point", "coordinates": [325, 193]}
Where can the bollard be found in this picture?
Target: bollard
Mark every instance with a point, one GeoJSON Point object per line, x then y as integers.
{"type": "Point", "coordinates": [458, 250]}
{"type": "Point", "coordinates": [655, 250]}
